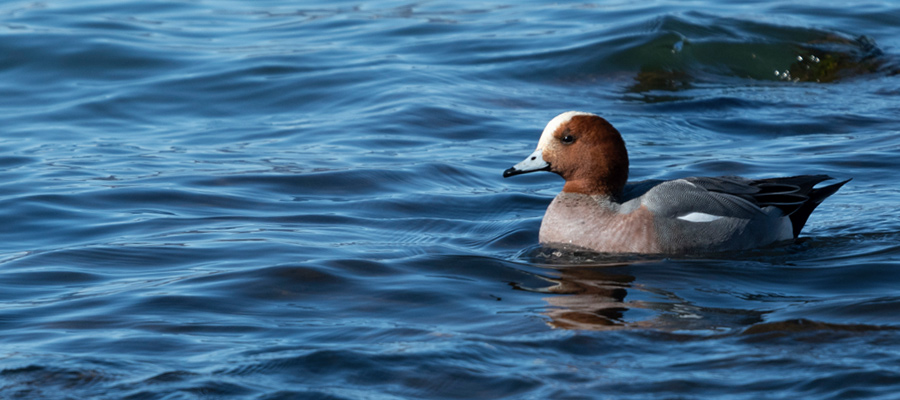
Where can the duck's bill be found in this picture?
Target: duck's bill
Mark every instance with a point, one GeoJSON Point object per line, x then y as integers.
{"type": "Point", "coordinates": [534, 162]}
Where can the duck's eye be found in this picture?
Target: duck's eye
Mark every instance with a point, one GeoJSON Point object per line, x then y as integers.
{"type": "Point", "coordinates": [568, 139]}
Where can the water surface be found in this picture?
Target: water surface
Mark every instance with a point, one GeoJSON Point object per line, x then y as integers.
{"type": "Point", "coordinates": [221, 199]}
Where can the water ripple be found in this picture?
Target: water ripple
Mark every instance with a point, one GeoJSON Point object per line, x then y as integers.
{"type": "Point", "coordinates": [270, 200]}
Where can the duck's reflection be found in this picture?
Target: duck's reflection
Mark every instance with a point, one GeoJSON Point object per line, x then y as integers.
{"type": "Point", "coordinates": [588, 295]}
{"type": "Point", "coordinates": [596, 298]}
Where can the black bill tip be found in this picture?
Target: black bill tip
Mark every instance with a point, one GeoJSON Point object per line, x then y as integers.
{"type": "Point", "coordinates": [512, 171]}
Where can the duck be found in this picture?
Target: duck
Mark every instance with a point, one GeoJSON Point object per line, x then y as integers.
{"type": "Point", "coordinates": [599, 210]}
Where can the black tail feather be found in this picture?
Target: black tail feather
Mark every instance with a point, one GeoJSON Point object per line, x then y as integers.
{"type": "Point", "coordinates": [816, 196]}
{"type": "Point", "coordinates": [795, 196]}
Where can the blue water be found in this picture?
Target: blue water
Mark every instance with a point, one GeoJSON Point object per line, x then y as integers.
{"type": "Point", "coordinates": [275, 200]}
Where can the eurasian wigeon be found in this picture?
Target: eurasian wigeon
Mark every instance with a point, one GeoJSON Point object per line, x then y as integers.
{"type": "Point", "coordinates": [598, 210]}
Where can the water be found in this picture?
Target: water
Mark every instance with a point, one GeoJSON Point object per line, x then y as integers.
{"type": "Point", "coordinates": [222, 199]}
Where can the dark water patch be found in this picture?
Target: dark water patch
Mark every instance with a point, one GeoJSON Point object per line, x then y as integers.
{"type": "Point", "coordinates": [343, 185]}
{"type": "Point", "coordinates": [677, 52]}
{"type": "Point", "coordinates": [171, 376]}
{"type": "Point", "coordinates": [802, 325]}
{"type": "Point", "coordinates": [11, 163]}
{"type": "Point", "coordinates": [684, 102]}
{"type": "Point", "coordinates": [51, 277]}
{"type": "Point", "coordinates": [217, 388]}
{"type": "Point", "coordinates": [33, 59]}
{"type": "Point", "coordinates": [306, 394]}
{"type": "Point", "coordinates": [147, 257]}
{"type": "Point", "coordinates": [857, 308]}
{"type": "Point", "coordinates": [32, 381]}
{"type": "Point", "coordinates": [281, 283]}
{"type": "Point", "coordinates": [837, 124]}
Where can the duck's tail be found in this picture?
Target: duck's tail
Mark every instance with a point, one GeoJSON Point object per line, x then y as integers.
{"type": "Point", "coordinates": [816, 197]}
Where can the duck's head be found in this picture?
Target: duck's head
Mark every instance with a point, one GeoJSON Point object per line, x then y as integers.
{"type": "Point", "coordinates": [586, 150]}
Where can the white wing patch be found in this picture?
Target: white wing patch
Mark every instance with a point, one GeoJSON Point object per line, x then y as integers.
{"type": "Point", "coordinates": [699, 217]}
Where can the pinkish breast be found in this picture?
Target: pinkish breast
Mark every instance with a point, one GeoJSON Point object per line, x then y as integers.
{"type": "Point", "coordinates": [594, 222]}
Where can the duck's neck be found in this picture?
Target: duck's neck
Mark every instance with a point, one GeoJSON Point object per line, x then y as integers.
{"type": "Point", "coordinates": [592, 188]}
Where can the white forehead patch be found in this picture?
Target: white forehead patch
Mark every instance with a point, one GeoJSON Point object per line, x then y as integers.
{"type": "Point", "coordinates": [554, 124]}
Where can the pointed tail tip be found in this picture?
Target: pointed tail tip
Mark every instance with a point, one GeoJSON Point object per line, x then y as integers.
{"type": "Point", "coordinates": [816, 197]}
{"type": "Point", "coordinates": [822, 193]}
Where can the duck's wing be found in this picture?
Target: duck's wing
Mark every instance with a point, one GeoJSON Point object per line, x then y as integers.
{"type": "Point", "coordinates": [703, 198]}
{"type": "Point", "coordinates": [795, 196]}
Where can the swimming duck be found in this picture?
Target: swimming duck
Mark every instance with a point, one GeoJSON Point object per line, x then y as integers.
{"type": "Point", "coordinates": [600, 211]}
